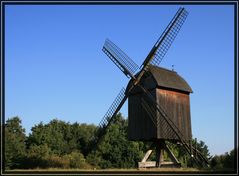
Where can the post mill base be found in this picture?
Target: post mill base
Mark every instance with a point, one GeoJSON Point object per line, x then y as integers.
{"type": "Point", "coordinates": [160, 148]}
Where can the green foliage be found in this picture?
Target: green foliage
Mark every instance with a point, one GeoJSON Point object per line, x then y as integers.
{"type": "Point", "coordinates": [224, 162]}
{"type": "Point", "coordinates": [42, 157]}
{"type": "Point", "coordinates": [53, 134]}
{"type": "Point", "coordinates": [182, 155]}
{"type": "Point", "coordinates": [94, 158]}
{"type": "Point", "coordinates": [83, 134]}
{"type": "Point", "coordinates": [202, 147]}
{"type": "Point", "coordinates": [37, 156]}
{"type": "Point", "coordinates": [59, 144]}
{"type": "Point", "coordinates": [63, 138]}
{"type": "Point", "coordinates": [63, 145]}
{"type": "Point", "coordinates": [115, 151]}
{"type": "Point", "coordinates": [55, 161]}
{"type": "Point", "coordinates": [76, 160]}
{"type": "Point", "coordinates": [42, 151]}
{"type": "Point", "coordinates": [14, 143]}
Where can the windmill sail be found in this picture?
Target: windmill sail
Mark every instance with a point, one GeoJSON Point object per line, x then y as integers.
{"type": "Point", "coordinates": [121, 60]}
{"type": "Point", "coordinates": [162, 45]}
{"type": "Point", "coordinates": [111, 113]}
{"type": "Point", "coordinates": [168, 36]}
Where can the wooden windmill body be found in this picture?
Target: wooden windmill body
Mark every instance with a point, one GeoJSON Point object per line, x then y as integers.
{"type": "Point", "coordinates": [159, 106]}
{"type": "Point", "coordinates": [171, 92]}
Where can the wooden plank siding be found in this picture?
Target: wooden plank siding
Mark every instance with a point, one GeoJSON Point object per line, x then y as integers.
{"type": "Point", "coordinates": [175, 104]}
{"type": "Point", "coordinates": [140, 125]}
{"type": "Point", "coordinates": [177, 107]}
{"type": "Point", "coordinates": [171, 92]}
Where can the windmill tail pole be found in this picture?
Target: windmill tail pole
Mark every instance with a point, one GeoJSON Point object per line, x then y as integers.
{"type": "Point", "coordinates": [178, 133]}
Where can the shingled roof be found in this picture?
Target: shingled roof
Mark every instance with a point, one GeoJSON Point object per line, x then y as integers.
{"type": "Point", "coordinates": [169, 79]}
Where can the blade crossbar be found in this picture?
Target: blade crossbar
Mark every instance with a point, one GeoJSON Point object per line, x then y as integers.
{"type": "Point", "coordinates": [122, 61]}
{"type": "Point", "coordinates": [169, 26]}
{"type": "Point", "coordinates": [132, 64]}
{"type": "Point", "coordinates": [120, 65]}
{"type": "Point", "coordinates": [169, 38]}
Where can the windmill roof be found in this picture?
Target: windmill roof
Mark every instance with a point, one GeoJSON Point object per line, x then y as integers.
{"type": "Point", "coordinates": [169, 79]}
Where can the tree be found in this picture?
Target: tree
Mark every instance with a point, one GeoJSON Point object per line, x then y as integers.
{"type": "Point", "coordinates": [14, 143]}
{"type": "Point", "coordinates": [85, 137]}
{"type": "Point", "coordinates": [63, 138]}
{"type": "Point", "coordinates": [203, 148]}
{"type": "Point", "coordinates": [37, 156]}
{"type": "Point", "coordinates": [229, 161]}
{"type": "Point", "coordinates": [183, 156]}
{"type": "Point", "coordinates": [224, 162]}
{"type": "Point", "coordinates": [63, 145]}
{"type": "Point", "coordinates": [56, 135]}
{"type": "Point", "coordinates": [115, 151]}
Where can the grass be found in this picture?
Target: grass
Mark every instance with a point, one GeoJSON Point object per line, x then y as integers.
{"type": "Point", "coordinates": [107, 170]}
{"type": "Point", "coordinates": [119, 170]}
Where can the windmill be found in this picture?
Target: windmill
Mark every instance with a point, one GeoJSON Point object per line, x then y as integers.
{"type": "Point", "coordinates": [159, 108]}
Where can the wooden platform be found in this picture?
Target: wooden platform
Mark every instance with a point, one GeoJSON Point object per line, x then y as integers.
{"type": "Point", "coordinates": [165, 164]}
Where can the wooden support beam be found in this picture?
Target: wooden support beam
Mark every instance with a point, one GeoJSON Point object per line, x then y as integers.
{"type": "Point", "coordinates": [146, 156]}
{"type": "Point", "coordinates": [160, 148]}
{"type": "Point", "coordinates": [159, 153]}
{"type": "Point", "coordinates": [170, 154]}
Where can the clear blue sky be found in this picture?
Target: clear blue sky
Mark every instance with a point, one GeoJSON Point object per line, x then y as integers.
{"type": "Point", "coordinates": [55, 67]}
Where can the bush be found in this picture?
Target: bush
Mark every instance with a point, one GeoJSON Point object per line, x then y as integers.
{"type": "Point", "coordinates": [76, 159]}
{"type": "Point", "coordinates": [55, 161]}
{"type": "Point", "coordinates": [94, 159]}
